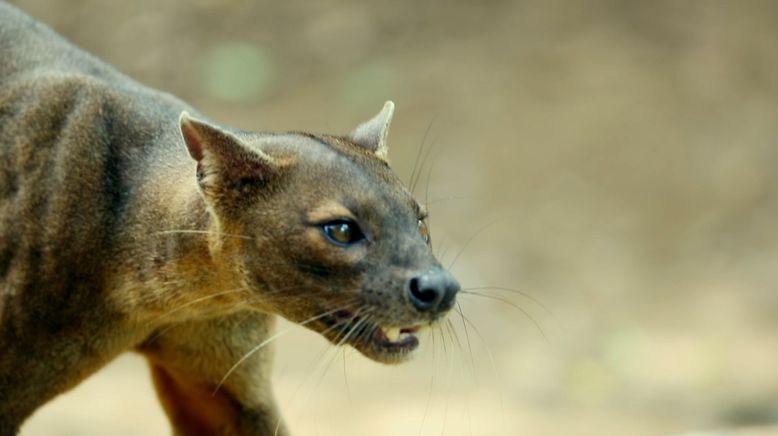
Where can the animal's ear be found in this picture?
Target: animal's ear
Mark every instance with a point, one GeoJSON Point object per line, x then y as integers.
{"type": "Point", "coordinates": [372, 134]}
{"type": "Point", "coordinates": [223, 159]}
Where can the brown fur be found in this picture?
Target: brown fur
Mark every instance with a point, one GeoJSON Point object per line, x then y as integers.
{"type": "Point", "coordinates": [113, 238]}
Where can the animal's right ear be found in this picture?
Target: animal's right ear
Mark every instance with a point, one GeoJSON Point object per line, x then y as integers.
{"type": "Point", "coordinates": [224, 161]}
{"type": "Point", "coordinates": [372, 134]}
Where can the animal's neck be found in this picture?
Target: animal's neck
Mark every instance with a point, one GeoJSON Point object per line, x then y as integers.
{"type": "Point", "coordinates": [176, 271]}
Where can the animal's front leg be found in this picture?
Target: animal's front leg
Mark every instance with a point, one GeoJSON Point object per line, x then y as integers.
{"type": "Point", "coordinates": [188, 363]}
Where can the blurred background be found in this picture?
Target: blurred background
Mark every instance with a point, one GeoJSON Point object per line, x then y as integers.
{"type": "Point", "coordinates": [612, 163]}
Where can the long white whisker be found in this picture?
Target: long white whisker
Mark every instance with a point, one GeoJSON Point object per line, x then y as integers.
{"type": "Point", "coordinates": [448, 378]}
{"type": "Point", "coordinates": [493, 363]}
{"type": "Point", "coordinates": [432, 383]}
{"type": "Point", "coordinates": [198, 300]}
{"type": "Point", "coordinates": [345, 380]}
{"type": "Point", "coordinates": [467, 338]}
{"type": "Point", "coordinates": [263, 344]}
{"type": "Point", "coordinates": [325, 362]}
{"type": "Point", "coordinates": [516, 291]}
{"type": "Point", "coordinates": [471, 238]}
{"type": "Point", "coordinates": [515, 306]}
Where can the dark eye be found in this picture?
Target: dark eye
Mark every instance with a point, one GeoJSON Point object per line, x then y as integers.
{"type": "Point", "coordinates": [424, 230]}
{"type": "Point", "coordinates": [342, 232]}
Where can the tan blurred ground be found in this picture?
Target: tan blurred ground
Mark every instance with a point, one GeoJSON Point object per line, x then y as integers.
{"type": "Point", "coordinates": [624, 152]}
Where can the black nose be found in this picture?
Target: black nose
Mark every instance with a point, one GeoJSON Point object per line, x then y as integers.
{"type": "Point", "coordinates": [434, 291]}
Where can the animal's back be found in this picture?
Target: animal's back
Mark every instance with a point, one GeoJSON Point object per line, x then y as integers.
{"type": "Point", "coordinates": [77, 140]}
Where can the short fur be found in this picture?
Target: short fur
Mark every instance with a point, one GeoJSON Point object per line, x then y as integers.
{"type": "Point", "coordinates": [127, 223]}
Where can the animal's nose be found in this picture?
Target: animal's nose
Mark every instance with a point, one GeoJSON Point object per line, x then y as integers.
{"type": "Point", "coordinates": [433, 291]}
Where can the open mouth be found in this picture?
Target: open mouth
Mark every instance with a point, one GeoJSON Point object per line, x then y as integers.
{"type": "Point", "coordinates": [386, 343]}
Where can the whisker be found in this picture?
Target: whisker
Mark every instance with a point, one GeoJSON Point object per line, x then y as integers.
{"type": "Point", "coordinates": [345, 379]}
{"type": "Point", "coordinates": [201, 299]}
{"type": "Point", "coordinates": [162, 331]}
{"type": "Point", "coordinates": [492, 362]}
{"type": "Point", "coordinates": [316, 363]}
{"type": "Point", "coordinates": [526, 295]}
{"type": "Point", "coordinates": [443, 341]}
{"type": "Point", "coordinates": [418, 154]}
{"type": "Point", "coordinates": [442, 248]}
{"type": "Point", "coordinates": [467, 337]}
{"type": "Point", "coordinates": [423, 163]}
{"type": "Point", "coordinates": [359, 313]}
{"type": "Point", "coordinates": [514, 305]}
{"type": "Point", "coordinates": [432, 383]}
{"type": "Point", "coordinates": [471, 238]}
{"type": "Point", "coordinates": [427, 183]}
{"type": "Point", "coordinates": [455, 337]}
{"type": "Point", "coordinates": [449, 375]}
{"type": "Point", "coordinates": [367, 333]}
{"type": "Point", "coordinates": [362, 321]}
{"type": "Point", "coordinates": [264, 343]}
{"type": "Point", "coordinates": [247, 302]}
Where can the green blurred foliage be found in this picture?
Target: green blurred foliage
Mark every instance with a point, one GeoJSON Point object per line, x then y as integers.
{"type": "Point", "coordinates": [237, 72]}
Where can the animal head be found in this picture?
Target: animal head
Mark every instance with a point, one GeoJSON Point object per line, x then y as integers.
{"type": "Point", "coordinates": [330, 238]}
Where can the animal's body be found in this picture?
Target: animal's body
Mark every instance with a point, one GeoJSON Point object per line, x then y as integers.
{"type": "Point", "coordinates": [127, 223]}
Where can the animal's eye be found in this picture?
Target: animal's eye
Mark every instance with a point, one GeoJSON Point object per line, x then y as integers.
{"type": "Point", "coordinates": [424, 230]}
{"type": "Point", "coordinates": [342, 232]}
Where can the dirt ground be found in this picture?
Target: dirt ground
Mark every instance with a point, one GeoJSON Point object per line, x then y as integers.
{"type": "Point", "coordinates": [611, 162]}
